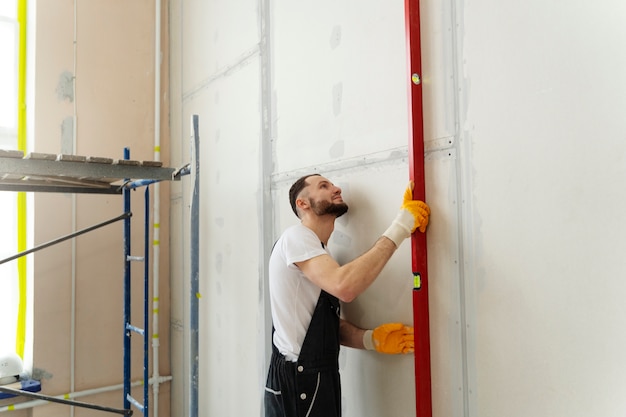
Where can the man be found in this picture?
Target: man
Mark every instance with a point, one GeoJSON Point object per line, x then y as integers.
{"type": "Point", "coordinates": [306, 284]}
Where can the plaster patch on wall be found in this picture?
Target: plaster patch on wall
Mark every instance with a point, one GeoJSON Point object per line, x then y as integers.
{"type": "Point", "coordinates": [335, 37]}
{"type": "Point", "coordinates": [67, 136]}
{"type": "Point", "coordinates": [218, 262]}
{"type": "Point", "coordinates": [337, 150]}
{"type": "Point", "coordinates": [41, 374]}
{"type": "Point", "coordinates": [177, 325]}
{"type": "Point", "coordinates": [344, 221]}
{"type": "Point", "coordinates": [397, 154]}
{"type": "Point", "coordinates": [337, 98]}
{"type": "Point", "coordinates": [65, 87]}
{"type": "Point", "coordinates": [342, 239]}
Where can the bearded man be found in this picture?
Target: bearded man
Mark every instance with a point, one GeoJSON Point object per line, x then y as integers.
{"type": "Point", "coordinates": [306, 285]}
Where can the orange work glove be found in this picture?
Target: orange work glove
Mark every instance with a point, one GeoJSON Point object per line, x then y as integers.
{"type": "Point", "coordinates": [414, 214]}
{"type": "Point", "coordinates": [390, 338]}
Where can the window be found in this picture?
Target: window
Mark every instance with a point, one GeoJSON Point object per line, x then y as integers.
{"type": "Point", "coordinates": [9, 294]}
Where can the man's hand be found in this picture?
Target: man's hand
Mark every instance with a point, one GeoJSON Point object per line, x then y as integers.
{"type": "Point", "coordinates": [414, 214]}
{"type": "Point", "coordinates": [419, 209]}
{"type": "Point", "coordinates": [391, 338]}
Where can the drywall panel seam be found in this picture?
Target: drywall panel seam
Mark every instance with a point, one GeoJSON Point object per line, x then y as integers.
{"type": "Point", "coordinates": [463, 207]}
{"type": "Point", "coordinates": [389, 156]}
{"type": "Point", "coordinates": [74, 209]}
{"type": "Point", "coordinates": [223, 72]}
{"type": "Point", "coordinates": [264, 200]}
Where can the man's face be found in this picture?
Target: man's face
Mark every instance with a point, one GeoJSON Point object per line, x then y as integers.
{"type": "Point", "coordinates": [325, 198]}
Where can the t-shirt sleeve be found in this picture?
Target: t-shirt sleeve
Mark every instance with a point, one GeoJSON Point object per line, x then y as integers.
{"type": "Point", "coordinates": [301, 244]}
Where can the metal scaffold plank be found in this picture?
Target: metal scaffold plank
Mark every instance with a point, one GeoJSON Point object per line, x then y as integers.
{"type": "Point", "coordinates": [44, 171]}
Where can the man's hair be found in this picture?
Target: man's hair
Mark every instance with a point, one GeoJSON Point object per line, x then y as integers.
{"type": "Point", "coordinates": [295, 190]}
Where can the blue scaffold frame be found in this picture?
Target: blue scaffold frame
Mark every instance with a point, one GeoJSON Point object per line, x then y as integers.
{"type": "Point", "coordinates": [65, 175]}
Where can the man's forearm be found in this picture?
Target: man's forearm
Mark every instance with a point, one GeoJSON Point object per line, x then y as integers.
{"type": "Point", "coordinates": [348, 281]}
{"type": "Point", "coordinates": [350, 335]}
{"type": "Point", "coordinates": [359, 274]}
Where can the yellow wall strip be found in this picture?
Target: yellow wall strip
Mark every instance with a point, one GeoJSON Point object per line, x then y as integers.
{"type": "Point", "coordinates": [21, 197]}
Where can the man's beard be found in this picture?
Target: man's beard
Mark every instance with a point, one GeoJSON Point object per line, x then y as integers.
{"type": "Point", "coordinates": [326, 207]}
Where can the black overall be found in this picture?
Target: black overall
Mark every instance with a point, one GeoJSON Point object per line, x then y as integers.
{"type": "Point", "coordinates": [311, 386]}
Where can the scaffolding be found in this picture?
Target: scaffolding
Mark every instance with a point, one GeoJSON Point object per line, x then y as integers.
{"type": "Point", "coordinates": [38, 172]}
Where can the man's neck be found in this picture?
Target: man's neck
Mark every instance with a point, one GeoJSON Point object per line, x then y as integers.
{"type": "Point", "coordinates": [323, 226]}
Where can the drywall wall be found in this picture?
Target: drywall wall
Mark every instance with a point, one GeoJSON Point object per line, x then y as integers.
{"type": "Point", "coordinates": [524, 164]}
{"type": "Point", "coordinates": [291, 89]}
{"type": "Point", "coordinates": [348, 121]}
{"type": "Point", "coordinates": [546, 150]}
{"type": "Point", "coordinates": [215, 74]}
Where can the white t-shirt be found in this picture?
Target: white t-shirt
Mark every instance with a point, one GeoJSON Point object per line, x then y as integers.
{"type": "Point", "coordinates": [293, 296]}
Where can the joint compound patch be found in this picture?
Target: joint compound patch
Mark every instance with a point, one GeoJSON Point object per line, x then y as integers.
{"type": "Point", "coordinates": [335, 37]}
{"type": "Point", "coordinates": [67, 136]}
{"type": "Point", "coordinates": [65, 88]}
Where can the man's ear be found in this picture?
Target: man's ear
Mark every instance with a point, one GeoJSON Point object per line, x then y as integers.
{"type": "Point", "coordinates": [302, 203]}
